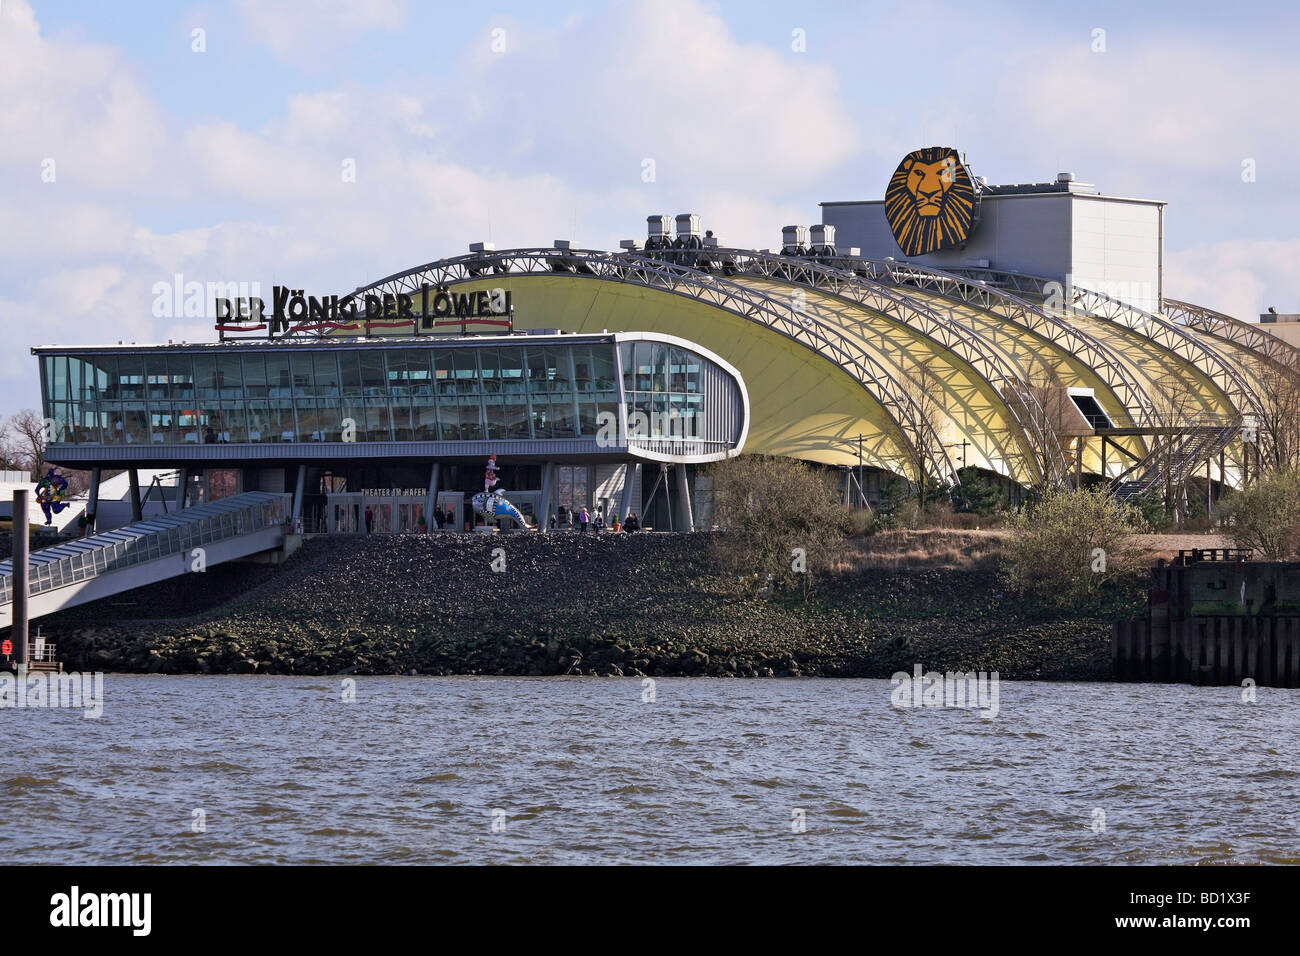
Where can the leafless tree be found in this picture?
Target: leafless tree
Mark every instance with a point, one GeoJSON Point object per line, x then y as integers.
{"type": "Point", "coordinates": [922, 422]}
{"type": "Point", "coordinates": [25, 432]}
{"type": "Point", "coordinates": [1277, 422]}
{"type": "Point", "coordinates": [1176, 414]}
{"type": "Point", "coordinates": [22, 447]}
{"type": "Point", "coordinates": [1044, 407]}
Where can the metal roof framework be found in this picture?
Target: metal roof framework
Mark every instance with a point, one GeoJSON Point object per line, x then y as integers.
{"type": "Point", "coordinates": [1007, 378]}
{"type": "Point", "coordinates": [754, 306]}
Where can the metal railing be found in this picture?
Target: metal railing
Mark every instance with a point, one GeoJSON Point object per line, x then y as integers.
{"type": "Point", "coordinates": [112, 551]}
{"type": "Point", "coordinates": [41, 652]}
{"type": "Point", "coordinates": [1155, 422]}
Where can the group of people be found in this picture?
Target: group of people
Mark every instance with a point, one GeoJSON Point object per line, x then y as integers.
{"type": "Point", "coordinates": [443, 519]}
{"type": "Point", "coordinates": [582, 519]}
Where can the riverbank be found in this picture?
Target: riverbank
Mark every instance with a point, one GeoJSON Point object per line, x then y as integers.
{"type": "Point", "coordinates": [609, 605]}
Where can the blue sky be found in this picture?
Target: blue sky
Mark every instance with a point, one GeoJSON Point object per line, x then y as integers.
{"type": "Point", "coordinates": [224, 165]}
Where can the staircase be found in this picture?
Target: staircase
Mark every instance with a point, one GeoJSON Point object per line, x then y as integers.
{"type": "Point", "coordinates": [1198, 444]}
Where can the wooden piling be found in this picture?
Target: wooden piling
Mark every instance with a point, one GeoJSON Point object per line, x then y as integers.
{"type": "Point", "coordinates": [1293, 642]}
{"type": "Point", "coordinates": [1238, 650]}
{"type": "Point", "coordinates": [1222, 661]}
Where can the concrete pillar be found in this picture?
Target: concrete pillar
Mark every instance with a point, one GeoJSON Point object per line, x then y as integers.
{"type": "Point", "coordinates": [19, 634]}
{"type": "Point", "coordinates": [92, 499]}
{"type": "Point", "coordinates": [632, 473]}
{"type": "Point", "coordinates": [544, 508]}
{"type": "Point", "coordinates": [434, 473]}
{"type": "Point", "coordinates": [182, 485]}
{"type": "Point", "coordinates": [685, 519]}
{"type": "Point", "coordinates": [136, 511]}
{"type": "Point", "coordinates": [297, 494]}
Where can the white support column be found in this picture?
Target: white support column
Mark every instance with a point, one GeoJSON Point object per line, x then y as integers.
{"type": "Point", "coordinates": [544, 509]}
{"type": "Point", "coordinates": [630, 482]}
{"type": "Point", "coordinates": [298, 489]}
{"type": "Point", "coordinates": [685, 518]}
{"type": "Point", "coordinates": [182, 483]}
{"type": "Point", "coordinates": [92, 499]}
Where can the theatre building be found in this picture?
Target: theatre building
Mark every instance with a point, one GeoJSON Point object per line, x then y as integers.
{"type": "Point", "coordinates": [402, 424]}
{"type": "Point", "coordinates": [939, 328]}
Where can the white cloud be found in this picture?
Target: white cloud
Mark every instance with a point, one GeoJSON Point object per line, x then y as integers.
{"type": "Point", "coordinates": [1162, 102]}
{"type": "Point", "coordinates": [665, 81]}
{"type": "Point", "coordinates": [1241, 278]}
{"type": "Point", "coordinates": [300, 33]}
{"type": "Point", "coordinates": [77, 104]}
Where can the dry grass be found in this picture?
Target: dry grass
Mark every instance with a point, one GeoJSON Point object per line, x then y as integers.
{"type": "Point", "coordinates": [1167, 546]}
{"type": "Point", "coordinates": [930, 548]}
{"type": "Point", "coordinates": [971, 549]}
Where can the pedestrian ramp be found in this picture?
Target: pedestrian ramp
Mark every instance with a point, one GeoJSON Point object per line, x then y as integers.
{"type": "Point", "coordinates": [166, 546]}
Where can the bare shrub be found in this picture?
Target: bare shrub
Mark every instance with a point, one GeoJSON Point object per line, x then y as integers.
{"type": "Point", "coordinates": [1068, 544]}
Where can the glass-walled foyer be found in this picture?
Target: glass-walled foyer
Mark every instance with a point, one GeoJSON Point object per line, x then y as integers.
{"type": "Point", "coordinates": [234, 394]}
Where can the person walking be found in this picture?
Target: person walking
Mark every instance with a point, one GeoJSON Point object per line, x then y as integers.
{"type": "Point", "coordinates": [584, 519]}
{"type": "Point", "coordinates": [370, 520]}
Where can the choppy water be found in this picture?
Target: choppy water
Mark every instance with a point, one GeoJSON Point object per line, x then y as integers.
{"type": "Point", "coordinates": [711, 772]}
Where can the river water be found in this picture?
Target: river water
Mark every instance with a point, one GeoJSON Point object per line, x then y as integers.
{"type": "Point", "coordinates": [584, 770]}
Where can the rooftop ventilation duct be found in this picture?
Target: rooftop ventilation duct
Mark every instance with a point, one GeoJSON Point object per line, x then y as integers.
{"type": "Point", "coordinates": [479, 249]}
{"type": "Point", "coordinates": [566, 263]}
{"type": "Point", "coordinates": [658, 232]}
{"type": "Point", "coordinates": [822, 239]}
{"type": "Point", "coordinates": [794, 241]}
{"type": "Point", "coordinates": [688, 225]}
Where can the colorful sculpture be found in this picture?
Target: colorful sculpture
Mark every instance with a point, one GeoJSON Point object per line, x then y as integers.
{"type": "Point", "coordinates": [492, 505]}
{"type": "Point", "coordinates": [49, 494]}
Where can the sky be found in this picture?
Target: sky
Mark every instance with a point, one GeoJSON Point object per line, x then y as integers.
{"type": "Point", "coordinates": [326, 143]}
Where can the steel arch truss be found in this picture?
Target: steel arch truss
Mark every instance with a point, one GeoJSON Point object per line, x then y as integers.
{"type": "Point", "coordinates": [1278, 351]}
{"type": "Point", "coordinates": [1101, 358]}
{"type": "Point", "coordinates": [1173, 338]}
{"type": "Point", "coordinates": [941, 326]}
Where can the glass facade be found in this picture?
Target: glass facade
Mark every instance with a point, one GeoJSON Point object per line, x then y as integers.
{"type": "Point", "coordinates": [227, 395]}
{"type": "Point", "coordinates": [663, 383]}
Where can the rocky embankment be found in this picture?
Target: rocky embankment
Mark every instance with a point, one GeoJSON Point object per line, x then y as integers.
{"type": "Point", "coordinates": [573, 604]}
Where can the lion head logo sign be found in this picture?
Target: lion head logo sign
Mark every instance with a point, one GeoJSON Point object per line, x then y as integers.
{"type": "Point", "coordinates": [930, 201]}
